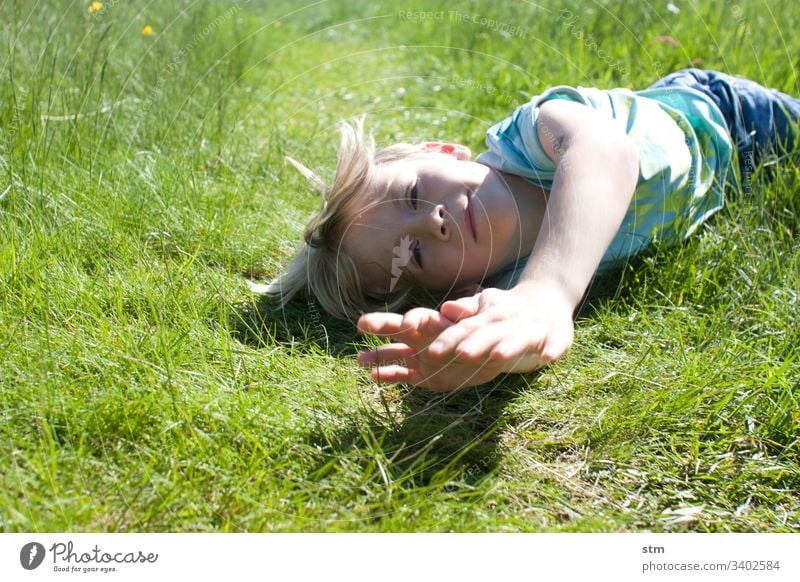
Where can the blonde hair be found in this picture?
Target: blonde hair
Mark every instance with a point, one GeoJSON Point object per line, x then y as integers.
{"type": "Point", "coordinates": [321, 266]}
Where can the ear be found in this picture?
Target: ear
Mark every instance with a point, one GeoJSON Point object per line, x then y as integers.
{"type": "Point", "coordinates": [458, 151]}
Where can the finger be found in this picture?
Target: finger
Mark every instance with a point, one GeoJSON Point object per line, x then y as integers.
{"type": "Point", "coordinates": [379, 322]}
{"type": "Point", "coordinates": [448, 380]}
{"type": "Point", "coordinates": [515, 345]}
{"type": "Point", "coordinates": [388, 325]}
{"type": "Point", "coordinates": [460, 308]}
{"type": "Point", "coordinates": [546, 341]}
{"type": "Point", "coordinates": [449, 339]}
{"type": "Point", "coordinates": [395, 374]}
{"type": "Point", "coordinates": [446, 385]}
{"type": "Point", "coordinates": [429, 323]}
{"type": "Point", "coordinates": [479, 344]}
{"type": "Point", "coordinates": [388, 354]}
{"type": "Point", "coordinates": [518, 356]}
{"type": "Point", "coordinates": [526, 363]}
{"type": "Point", "coordinates": [439, 381]}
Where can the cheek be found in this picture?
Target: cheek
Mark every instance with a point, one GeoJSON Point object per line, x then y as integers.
{"type": "Point", "coordinates": [503, 229]}
{"type": "Point", "coordinates": [469, 267]}
{"type": "Point", "coordinates": [445, 266]}
{"type": "Point", "coordinates": [453, 258]}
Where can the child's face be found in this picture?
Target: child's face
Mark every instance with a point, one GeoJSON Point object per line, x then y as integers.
{"type": "Point", "coordinates": [434, 222]}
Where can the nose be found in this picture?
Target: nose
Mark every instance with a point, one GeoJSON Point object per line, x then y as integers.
{"type": "Point", "coordinates": [434, 223]}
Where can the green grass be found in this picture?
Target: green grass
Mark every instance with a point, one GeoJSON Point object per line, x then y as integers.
{"type": "Point", "coordinates": [142, 387]}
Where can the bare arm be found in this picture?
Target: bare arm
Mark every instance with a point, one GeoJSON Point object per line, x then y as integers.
{"type": "Point", "coordinates": [596, 173]}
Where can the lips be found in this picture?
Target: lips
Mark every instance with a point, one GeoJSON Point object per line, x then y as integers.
{"type": "Point", "coordinates": [469, 218]}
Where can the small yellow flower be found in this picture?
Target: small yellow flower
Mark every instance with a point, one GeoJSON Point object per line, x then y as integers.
{"type": "Point", "coordinates": [147, 30]}
{"type": "Point", "coordinates": [95, 7]}
{"type": "Point", "coordinates": [277, 24]}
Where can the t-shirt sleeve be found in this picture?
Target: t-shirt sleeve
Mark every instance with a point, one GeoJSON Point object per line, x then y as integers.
{"type": "Point", "coordinates": [514, 144]}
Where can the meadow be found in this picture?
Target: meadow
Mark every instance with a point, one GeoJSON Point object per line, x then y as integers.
{"type": "Point", "coordinates": [143, 183]}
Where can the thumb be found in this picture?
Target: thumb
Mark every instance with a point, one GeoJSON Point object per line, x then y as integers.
{"type": "Point", "coordinates": [460, 308]}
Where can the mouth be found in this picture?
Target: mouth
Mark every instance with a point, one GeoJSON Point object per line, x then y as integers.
{"type": "Point", "coordinates": [469, 218]}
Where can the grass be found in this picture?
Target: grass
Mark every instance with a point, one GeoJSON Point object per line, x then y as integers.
{"type": "Point", "coordinates": [143, 388]}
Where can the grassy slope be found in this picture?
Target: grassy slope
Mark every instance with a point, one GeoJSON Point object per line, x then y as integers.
{"type": "Point", "coordinates": [142, 389]}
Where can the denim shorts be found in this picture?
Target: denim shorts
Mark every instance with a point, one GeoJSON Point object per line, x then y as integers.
{"type": "Point", "coordinates": [761, 121]}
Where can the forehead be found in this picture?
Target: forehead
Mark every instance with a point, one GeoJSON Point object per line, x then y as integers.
{"type": "Point", "coordinates": [386, 175]}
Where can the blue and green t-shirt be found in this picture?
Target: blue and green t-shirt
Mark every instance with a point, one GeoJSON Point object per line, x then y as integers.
{"type": "Point", "coordinates": [684, 155]}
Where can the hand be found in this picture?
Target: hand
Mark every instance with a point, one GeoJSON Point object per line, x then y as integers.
{"type": "Point", "coordinates": [526, 327]}
{"type": "Point", "coordinates": [471, 340]}
{"type": "Point", "coordinates": [409, 361]}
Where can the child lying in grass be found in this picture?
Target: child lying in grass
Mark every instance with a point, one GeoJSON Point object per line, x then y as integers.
{"type": "Point", "coordinates": [576, 181]}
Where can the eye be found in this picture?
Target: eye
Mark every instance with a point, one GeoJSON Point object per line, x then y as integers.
{"type": "Point", "coordinates": [418, 254]}
{"type": "Point", "coordinates": [413, 196]}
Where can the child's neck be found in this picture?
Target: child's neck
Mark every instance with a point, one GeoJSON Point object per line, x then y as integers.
{"type": "Point", "coordinates": [532, 203]}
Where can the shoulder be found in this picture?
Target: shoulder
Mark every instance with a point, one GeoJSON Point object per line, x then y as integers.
{"type": "Point", "coordinates": [561, 123]}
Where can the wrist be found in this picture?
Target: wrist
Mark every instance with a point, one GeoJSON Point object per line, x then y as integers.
{"type": "Point", "coordinates": [554, 291]}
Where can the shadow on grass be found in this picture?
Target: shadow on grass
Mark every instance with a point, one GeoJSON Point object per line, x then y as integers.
{"type": "Point", "coordinates": [424, 439]}
{"type": "Point", "coordinates": [440, 435]}
{"type": "Point", "coordinates": [300, 324]}
{"type": "Point", "coordinates": [614, 288]}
